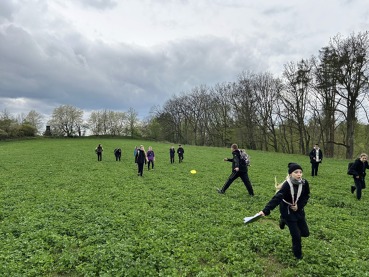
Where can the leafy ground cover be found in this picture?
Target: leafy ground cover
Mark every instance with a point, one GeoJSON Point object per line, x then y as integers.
{"type": "Point", "coordinates": [65, 214]}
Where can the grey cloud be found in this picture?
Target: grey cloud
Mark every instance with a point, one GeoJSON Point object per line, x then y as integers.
{"type": "Point", "coordinates": [7, 8]}
{"type": "Point", "coordinates": [98, 4]}
{"type": "Point", "coordinates": [70, 70]}
{"type": "Point", "coordinates": [60, 66]}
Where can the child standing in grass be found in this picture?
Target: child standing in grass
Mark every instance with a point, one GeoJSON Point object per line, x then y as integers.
{"type": "Point", "coordinates": [99, 149]}
{"type": "Point", "coordinates": [316, 157]}
{"type": "Point", "coordinates": [292, 198]}
{"type": "Point", "coordinates": [357, 170]}
{"type": "Point", "coordinates": [150, 158]}
{"type": "Point", "coordinates": [180, 152]}
{"type": "Point", "coordinates": [117, 154]}
{"type": "Point", "coordinates": [172, 153]}
{"type": "Point", "coordinates": [140, 159]}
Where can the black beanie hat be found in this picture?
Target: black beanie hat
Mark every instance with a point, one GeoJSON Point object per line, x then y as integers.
{"type": "Point", "coordinates": [292, 167]}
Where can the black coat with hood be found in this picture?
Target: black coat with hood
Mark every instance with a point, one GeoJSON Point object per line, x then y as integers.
{"type": "Point", "coordinates": [236, 161]}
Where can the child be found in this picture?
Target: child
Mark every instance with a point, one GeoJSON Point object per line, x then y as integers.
{"type": "Point", "coordinates": [292, 198]}
{"type": "Point", "coordinates": [357, 170]}
{"type": "Point", "coordinates": [117, 154]}
{"type": "Point", "coordinates": [180, 152]}
{"type": "Point", "coordinates": [172, 152]}
{"type": "Point", "coordinates": [140, 159]}
{"type": "Point", "coordinates": [239, 169]}
{"type": "Point", "coordinates": [98, 150]}
{"type": "Point", "coordinates": [151, 158]}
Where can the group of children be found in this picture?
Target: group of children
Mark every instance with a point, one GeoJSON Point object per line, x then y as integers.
{"type": "Point", "coordinates": [291, 196]}
{"type": "Point", "coordinates": [142, 157]}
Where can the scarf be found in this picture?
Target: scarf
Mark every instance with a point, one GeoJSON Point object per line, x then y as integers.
{"type": "Point", "coordinates": [291, 182]}
{"type": "Point", "coordinates": [317, 155]}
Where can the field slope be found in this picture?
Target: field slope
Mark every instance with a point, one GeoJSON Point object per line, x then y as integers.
{"type": "Point", "coordinates": [63, 213]}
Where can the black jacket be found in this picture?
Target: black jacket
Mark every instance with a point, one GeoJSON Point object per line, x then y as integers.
{"type": "Point", "coordinates": [312, 156]}
{"type": "Point", "coordinates": [117, 152]}
{"type": "Point", "coordinates": [358, 168]}
{"type": "Point", "coordinates": [285, 193]}
{"type": "Point", "coordinates": [140, 156]}
{"type": "Point", "coordinates": [236, 161]}
{"type": "Point", "coordinates": [180, 151]}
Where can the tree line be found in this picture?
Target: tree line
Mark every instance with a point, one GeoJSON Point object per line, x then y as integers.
{"type": "Point", "coordinates": [322, 99]}
{"type": "Point", "coordinates": [68, 121]}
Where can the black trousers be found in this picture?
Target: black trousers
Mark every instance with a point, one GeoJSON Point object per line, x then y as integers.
{"type": "Point", "coordinates": [244, 177]}
{"type": "Point", "coordinates": [148, 165]}
{"type": "Point", "coordinates": [180, 157]}
{"type": "Point", "coordinates": [171, 159]}
{"type": "Point", "coordinates": [99, 156]}
{"type": "Point", "coordinates": [314, 168]}
{"type": "Point", "coordinates": [298, 229]}
{"type": "Point", "coordinates": [359, 185]}
{"type": "Point", "coordinates": [140, 167]}
{"type": "Point", "coordinates": [117, 157]}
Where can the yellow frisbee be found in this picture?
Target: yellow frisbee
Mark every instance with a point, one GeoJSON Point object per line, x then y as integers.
{"type": "Point", "coordinates": [193, 171]}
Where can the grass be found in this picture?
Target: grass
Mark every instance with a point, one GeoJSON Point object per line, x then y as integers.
{"type": "Point", "coordinates": [65, 214]}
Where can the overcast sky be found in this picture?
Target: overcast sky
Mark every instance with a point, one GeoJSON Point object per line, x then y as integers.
{"type": "Point", "coordinates": [117, 54]}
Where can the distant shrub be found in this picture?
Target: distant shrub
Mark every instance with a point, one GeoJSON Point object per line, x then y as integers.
{"type": "Point", "coordinates": [27, 130]}
{"type": "Point", "coordinates": [3, 134]}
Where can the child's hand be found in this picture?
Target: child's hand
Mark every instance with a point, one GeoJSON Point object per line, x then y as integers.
{"type": "Point", "coordinates": [294, 207]}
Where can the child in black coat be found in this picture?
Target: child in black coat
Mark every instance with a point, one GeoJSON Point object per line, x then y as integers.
{"type": "Point", "coordinates": [357, 170]}
{"type": "Point", "coordinates": [292, 198]}
{"type": "Point", "coordinates": [117, 154]}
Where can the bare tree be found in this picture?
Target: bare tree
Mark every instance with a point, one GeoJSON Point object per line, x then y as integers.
{"type": "Point", "coordinates": [220, 114]}
{"type": "Point", "coordinates": [34, 119]}
{"type": "Point", "coordinates": [267, 90]}
{"type": "Point", "coordinates": [170, 120]}
{"type": "Point", "coordinates": [66, 120]}
{"type": "Point", "coordinates": [351, 67]}
{"type": "Point", "coordinates": [243, 102]}
{"type": "Point", "coordinates": [295, 98]}
{"type": "Point", "coordinates": [325, 100]}
{"type": "Point", "coordinates": [94, 123]}
{"type": "Point", "coordinates": [132, 118]}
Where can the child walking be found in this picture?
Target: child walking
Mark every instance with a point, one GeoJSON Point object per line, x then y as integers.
{"type": "Point", "coordinates": [140, 159]}
{"type": "Point", "coordinates": [357, 170]}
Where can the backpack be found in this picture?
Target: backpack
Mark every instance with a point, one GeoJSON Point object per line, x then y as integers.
{"type": "Point", "coordinates": [244, 157]}
{"type": "Point", "coordinates": [349, 168]}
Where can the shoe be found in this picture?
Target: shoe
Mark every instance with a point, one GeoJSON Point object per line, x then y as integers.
{"type": "Point", "coordinates": [353, 189]}
{"type": "Point", "coordinates": [282, 223]}
{"type": "Point", "coordinates": [220, 191]}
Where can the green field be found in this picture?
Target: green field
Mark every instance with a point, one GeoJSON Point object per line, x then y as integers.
{"type": "Point", "coordinates": [65, 214]}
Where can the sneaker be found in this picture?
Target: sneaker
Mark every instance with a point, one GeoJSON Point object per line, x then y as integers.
{"type": "Point", "coordinates": [353, 189]}
{"type": "Point", "coordinates": [220, 191]}
{"type": "Point", "coordinates": [282, 223]}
